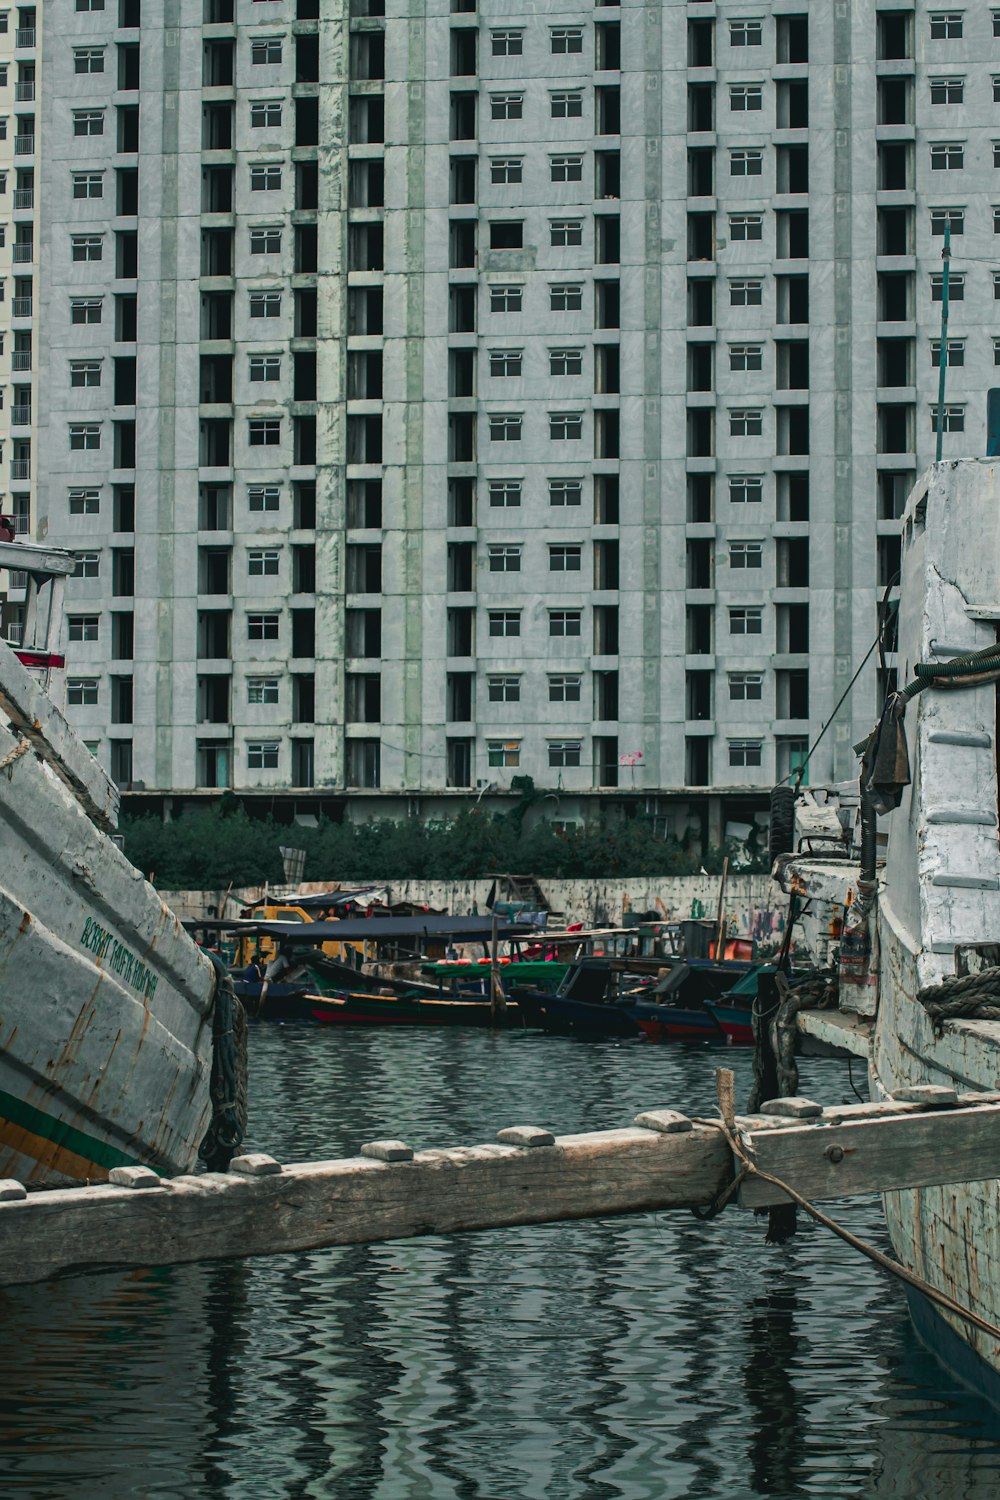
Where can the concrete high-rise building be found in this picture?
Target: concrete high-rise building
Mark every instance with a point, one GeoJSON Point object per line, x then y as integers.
{"type": "Point", "coordinates": [449, 395]}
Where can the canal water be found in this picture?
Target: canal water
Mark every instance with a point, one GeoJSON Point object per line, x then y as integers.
{"type": "Point", "coordinates": [649, 1358]}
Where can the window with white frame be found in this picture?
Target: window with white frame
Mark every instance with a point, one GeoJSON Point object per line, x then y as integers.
{"type": "Point", "coordinates": [996, 22]}
{"type": "Point", "coordinates": [88, 122]}
{"type": "Point", "coordinates": [565, 361]}
{"type": "Point", "coordinates": [746, 421]}
{"type": "Point", "coordinates": [505, 689]}
{"type": "Point", "coordinates": [506, 362]}
{"type": "Point", "coordinates": [265, 50]}
{"type": "Point", "coordinates": [265, 304]}
{"type": "Point", "coordinates": [86, 247]}
{"type": "Point", "coordinates": [262, 562]}
{"type": "Point", "coordinates": [746, 226]}
{"type": "Point", "coordinates": [81, 5]}
{"type": "Point", "coordinates": [996, 351]}
{"type": "Point", "coordinates": [565, 492]}
{"type": "Point", "coordinates": [566, 168]}
{"type": "Point", "coordinates": [947, 156]}
{"type": "Point", "coordinates": [746, 687]}
{"type": "Point", "coordinates": [84, 502]}
{"type": "Point", "coordinates": [265, 367]}
{"type": "Point", "coordinates": [88, 184]}
{"type": "Point", "coordinates": [505, 427]}
{"type": "Point", "coordinates": [946, 25]}
{"type": "Point", "coordinates": [262, 627]}
{"type": "Point", "coordinates": [564, 232]}
{"type": "Point", "coordinates": [746, 489]}
{"type": "Point", "coordinates": [506, 106]}
{"type": "Point", "coordinates": [508, 42]}
{"type": "Point", "coordinates": [504, 169]}
{"type": "Point", "coordinates": [503, 752]}
{"type": "Point", "coordinates": [265, 177]}
{"type": "Point", "coordinates": [263, 496]}
{"type": "Point", "coordinates": [262, 690]}
{"type": "Point", "coordinates": [956, 284]}
{"type": "Point", "coordinates": [565, 622]}
{"type": "Point", "coordinates": [265, 113]}
{"type": "Point", "coordinates": [84, 372]}
{"type": "Point", "coordinates": [952, 419]}
{"type": "Point", "coordinates": [504, 557]}
{"type": "Point", "coordinates": [264, 432]}
{"type": "Point", "coordinates": [84, 436]}
{"type": "Point", "coordinates": [84, 627]}
{"type": "Point", "coordinates": [746, 620]}
{"type": "Point", "coordinates": [504, 622]}
{"type": "Point", "coordinates": [504, 493]}
{"type": "Point", "coordinates": [265, 239]}
{"type": "Point", "coordinates": [745, 98]}
{"type": "Point", "coordinates": [565, 39]}
{"type": "Point", "coordinates": [746, 33]}
{"type": "Point", "coordinates": [88, 59]}
{"type": "Point", "coordinates": [262, 755]}
{"type": "Point", "coordinates": [744, 293]}
{"type": "Point", "coordinates": [565, 687]}
{"type": "Point", "coordinates": [88, 565]}
{"type": "Point", "coordinates": [565, 426]}
{"type": "Point", "coordinates": [745, 752]}
{"type": "Point", "coordinates": [747, 161]}
{"type": "Point", "coordinates": [954, 218]}
{"type": "Point", "coordinates": [565, 296]}
{"type": "Point", "coordinates": [564, 752]}
{"type": "Point", "coordinates": [947, 90]}
{"type": "Point", "coordinates": [746, 357]}
{"type": "Point", "coordinates": [566, 104]}
{"type": "Point", "coordinates": [565, 557]}
{"type": "Point", "coordinates": [82, 692]}
{"type": "Point", "coordinates": [954, 355]}
{"type": "Point", "coordinates": [743, 555]}
{"type": "Point", "coordinates": [505, 299]}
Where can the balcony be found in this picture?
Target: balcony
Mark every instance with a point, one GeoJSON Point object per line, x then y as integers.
{"type": "Point", "coordinates": [21, 307]}
{"type": "Point", "coordinates": [24, 198]}
{"type": "Point", "coordinates": [20, 468]}
{"type": "Point", "coordinates": [24, 36]}
{"type": "Point", "coordinates": [24, 92]}
{"type": "Point", "coordinates": [21, 359]}
{"type": "Point", "coordinates": [15, 633]}
{"type": "Point", "coordinates": [24, 145]}
{"type": "Point", "coordinates": [20, 416]}
{"type": "Point", "coordinates": [24, 250]}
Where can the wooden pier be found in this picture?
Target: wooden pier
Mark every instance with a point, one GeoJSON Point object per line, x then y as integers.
{"type": "Point", "coordinates": [389, 1191]}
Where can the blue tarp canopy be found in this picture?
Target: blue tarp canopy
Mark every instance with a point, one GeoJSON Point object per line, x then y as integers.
{"type": "Point", "coordinates": [389, 929]}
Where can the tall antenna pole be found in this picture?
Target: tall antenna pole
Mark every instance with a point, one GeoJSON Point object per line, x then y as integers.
{"type": "Point", "coordinates": [943, 356]}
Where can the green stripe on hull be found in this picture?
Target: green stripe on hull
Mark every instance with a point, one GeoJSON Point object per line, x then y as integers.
{"type": "Point", "coordinates": [61, 1133]}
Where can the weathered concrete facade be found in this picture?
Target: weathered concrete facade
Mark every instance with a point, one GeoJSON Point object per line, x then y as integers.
{"type": "Point", "coordinates": [600, 347]}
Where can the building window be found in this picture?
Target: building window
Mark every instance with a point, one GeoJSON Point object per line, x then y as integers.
{"type": "Point", "coordinates": [505, 362]}
{"type": "Point", "coordinates": [955, 353]}
{"type": "Point", "coordinates": [505, 427]}
{"type": "Point", "coordinates": [503, 752]}
{"type": "Point", "coordinates": [88, 122]}
{"type": "Point", "coordinates": [564, 622]}
{"type": "Point", "coordinates": [746, 163]}
{"type": "Point", "coordinates": [88, 184]}
{"type": "Point", "coordinates": [265, 113]}
{"type": "Point", "coordinates": [746, 687]}
{"type": "Point", "coordinates": [262, 627]}
{"type": "Point", "coordinates": [746, 33]}
{"type": "Point", "coordinates": [745, 293]}
{"type": "Point", "coordinates": [564, 752]}
{"type": "Point", "coordinates": [565, 492]}
{"type": "Point", "coordinates": [506, 168]}
{"type": "Point", "coordinates": [86, 247]}
{"type": "Point", "coordinates": [506, 234]}
{"type": "Point", "coordinates": [262, 563]}
{"type": "Point", "coordinates": [746, 97]}
{"type": "Point", "coordinates": [565, 558]}
{"type": "Point", "coordinates": [264, 432]}
{"type": "Point", "coordinates": [746, 226]}
{"type": "Point", "coordinates": [262, 690]}
{"type": "Point", "coordinates": [744, 555]}
{"type": "Point", "coordinates": [564, 689]}
{"type": "Point", "coordinates": [84, 627]}
{"type": "Point", "coordinates": [566, 168]}
{"type": "Point", "coordinates": [505, 558]}
{"type": "Point", "coordinates": [81, 692]}
{"type": "Point", "coordinates": [505, 299]}
{"type": "Point", "coordinates": [746, 422]}
{"type": "Point", "coordinates": [265, 177]}
{"type": "Point", "coordinates": [566, 104]}
{"type": "Point", "coordinates": [263, 496]}
{"type": "Point", "coordinates": [504, 493]}
{"type": "Point", "coordinates": [947, 156]}
{"type": "Point", "coordinates": [262, 755]}
{"type": "Point", "coordinates": [265, 50]}
{"type": "Point", "coordinates": [565, 297]}
{"type": "Point", "coordinates": [746, 357]}
{"type": "Point", "coordinates": [85, 436]}
{"type": "Point", "coordinates": [996, 23]}
{"type": "Point", "coordinates": [946, 26]}
{"type": "Point", "coordinates": [565, 361]}
{"type": "Point", "coordinates": [84, 503]}
{"type": "Point", "coordinates": [954, 419]}
{"type": "Point", "coordinates": [746, 489]}
{"type": "Point", "coordinates": [265, 367]}
{"type": "Point", "coordinates": [504, 622]}
{"type": "Point", "coordinates": [947, 90]}
{"type": "Point", "coordinates": [265, 240]}
{"type": "Point", "coordinates": [81, 5]}
{"type": "Point", "coordinates": [954, 218]}
{"type": "Point", "coordinates": [566, 39]}
{"type": "Point", "coordinates": [265, 304]}
{"type": "Point", "coordinates": [506, 43]}
{"type": "Point", "coordinates": [749, 621]}
{"type": "Point", "coordinates": [563, 232]}
{"type": "Point", "coordinates": [84, 372]}
{"type": "Point", "coordinates": [506, 106]}
{"type": "Point", "coordinates": [745, 752]}
{"type": "Point", "coordinates": [88, 565]}
{"type": "Point", "coordinates": [956, 283]}
{"type": "Point", "coordinates": [565, 426]}
{"type": "Point", "coordinates": [996, 351]}
{"type": "Point", "coordinates": [88, 59]}
{"type": "Point", "coordinates": [504, 689]}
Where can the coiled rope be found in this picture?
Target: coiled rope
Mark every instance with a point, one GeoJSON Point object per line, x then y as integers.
{"type": "Point", "coordinates": [228, 1082]}
{"type": "Point", "coordinates": [962, 997]}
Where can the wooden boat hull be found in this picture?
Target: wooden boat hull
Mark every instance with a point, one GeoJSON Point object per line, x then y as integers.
{"type": "Point", "coordinates": [344, 1009]}
{"type": "Point", "coordinates": [566, 1016]}
{"type": "Point", "coordinates": [734, 1021]}
{"type": "Point", "coordinates": [664, 1023]}
{"type": "Point", "coordinates": [105, 1003]}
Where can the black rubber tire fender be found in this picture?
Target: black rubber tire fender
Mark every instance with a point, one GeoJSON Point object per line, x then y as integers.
{"type": "Point", "coordinates": [781, 825]}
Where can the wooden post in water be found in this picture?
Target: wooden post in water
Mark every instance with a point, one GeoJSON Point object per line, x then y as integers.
{"type": "Point", "coordinates": [720, 915]}
{"type": "Point", "coordinates": [498, 1000]}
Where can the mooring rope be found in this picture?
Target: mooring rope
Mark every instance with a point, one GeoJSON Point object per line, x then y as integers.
{"type": "Point", "coordinates": [962, 997]}
{"type": "Point", "coordinates": [228, 1082]}
{"type": "Point", "coordinates": [21, 748]}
